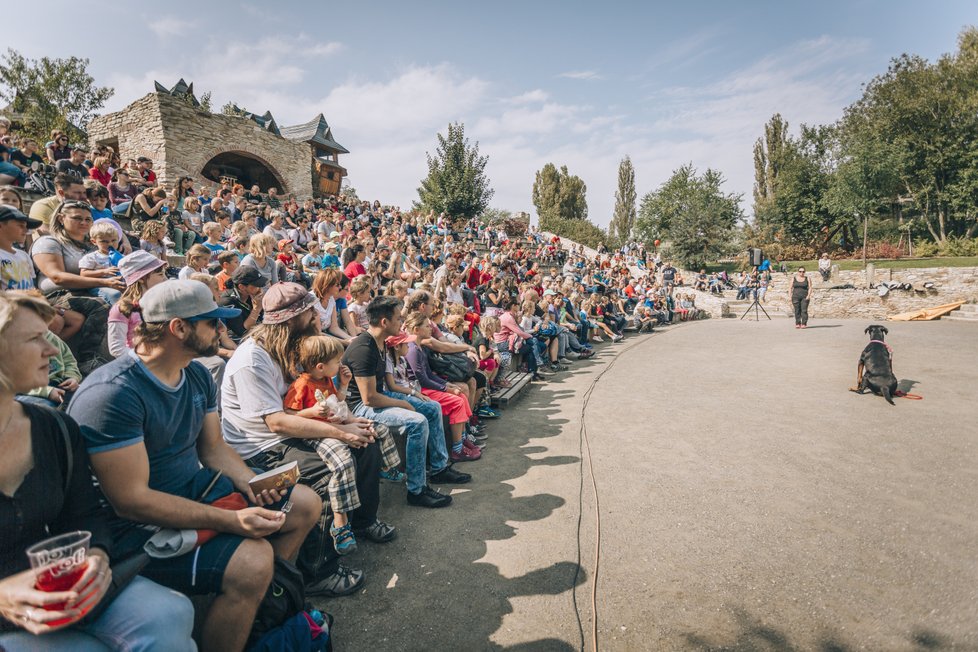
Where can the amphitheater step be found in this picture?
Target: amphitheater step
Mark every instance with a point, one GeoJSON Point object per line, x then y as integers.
{"type": "Point", "coordinates": [961, 316]}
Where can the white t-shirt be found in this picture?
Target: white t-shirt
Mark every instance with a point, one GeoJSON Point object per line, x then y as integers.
{"type": "Point", "coordinates": [253, 387]}
{"type": "Point", "coordinates": [16, 270]}
{"type": "Point", "coordinates": [325, 312]}
{"type": "Point", "coordinates": [95, 260]}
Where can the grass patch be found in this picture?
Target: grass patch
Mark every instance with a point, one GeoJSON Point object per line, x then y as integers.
{"type": "Point", "coordinates": [847, 264]}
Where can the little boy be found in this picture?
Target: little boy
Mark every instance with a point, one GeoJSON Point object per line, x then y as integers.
{"type": "Point", "coordinates": [214, 232]}
{"type": "Point", "coordinates": [312, 262]}
{"type": "Point", "coordinates": [229, 261]}
{"type": "Point", "coordinates": [320, 357]}
{"type": "Point", "coordinates": [105, 237]}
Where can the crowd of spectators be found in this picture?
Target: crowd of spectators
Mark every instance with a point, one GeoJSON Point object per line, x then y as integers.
{"type": "Point", "coordinates": [323, 332]}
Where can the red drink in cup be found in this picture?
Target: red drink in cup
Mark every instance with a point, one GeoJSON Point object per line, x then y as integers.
{"type": "Point", "coordinates": [58, 563]}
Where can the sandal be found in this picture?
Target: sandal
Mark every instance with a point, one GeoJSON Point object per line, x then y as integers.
{"type": "Point", "coordinates": [344, 541]}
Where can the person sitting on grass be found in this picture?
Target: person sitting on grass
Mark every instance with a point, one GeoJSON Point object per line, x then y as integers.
{"type": "Point", "coordinates": [320, 357]}
{"type": "Point", "coordinates": [451, 396]}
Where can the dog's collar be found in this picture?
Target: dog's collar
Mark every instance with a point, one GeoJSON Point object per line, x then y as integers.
{"type": "Point", "coordinates": [888, 349]}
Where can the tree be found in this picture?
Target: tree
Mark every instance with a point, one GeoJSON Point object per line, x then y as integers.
{"type": "Point", "coordinates": [495, 216]}
{"type": "Point", "coordinates": [558, 195]}
{"type": "Point", "coordinates": [623, 221]}
{"type": "Point", "coordinates": [456, 183]}
{"type": "Point", "coordinates": [769, 159]}
{"type": "Point", "coordinates": [923, 119]}
{"type": "Point", "coordinates": [51, 94]}
{"type": "Point", "coordinates": [232, 109]}
{"type": "Point", "coordinates": [691, 212]}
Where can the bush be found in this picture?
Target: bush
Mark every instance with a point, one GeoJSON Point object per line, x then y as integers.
{"type": "Point", "coordinates": [580, 231]}
{"type": "Point", "coordinates": [877, 250]}
{"type": "Point", "coordinates": [925, 249]}
{"type": "Point", "coordinates": [959, 247]}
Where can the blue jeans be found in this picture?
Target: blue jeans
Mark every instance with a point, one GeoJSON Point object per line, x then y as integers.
{"type": "Point", "coordinates": [437, 449]}
{"type": "Point", "coordinates": [108, 295]}
{"type": "Point", "coordinates": [120, 209]}
{"type": "Point", "coordinates": [415, 427]}
{"type": "Point", "coordinates": [145, 616]}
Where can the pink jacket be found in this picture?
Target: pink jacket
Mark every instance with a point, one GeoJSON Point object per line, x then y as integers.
{"type": "Point", "coordinates": [510, 331]}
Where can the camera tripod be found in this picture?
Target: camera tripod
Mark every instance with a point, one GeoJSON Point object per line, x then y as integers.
{"type": "Point", "coordinates": [756, 306]}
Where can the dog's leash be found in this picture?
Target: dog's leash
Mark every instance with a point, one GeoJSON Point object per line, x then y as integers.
{"type": "Point", "coordinates": [901, 394]}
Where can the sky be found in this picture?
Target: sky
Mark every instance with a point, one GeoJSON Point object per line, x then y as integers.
{"type": "Point", "coordinates": [581, 84]}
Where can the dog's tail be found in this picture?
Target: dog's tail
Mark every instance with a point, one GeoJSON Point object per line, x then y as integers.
{"type": "Point", "coordinates": [885, 391]}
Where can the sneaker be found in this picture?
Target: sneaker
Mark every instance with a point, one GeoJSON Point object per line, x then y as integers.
{"type": "Point", "coordinates": [538, 378]}
{"type": "Point", "coordinates": [566, 361]}
{"type": "Point", "coordinates": [470, 442]}
{"type": "Point", "coordinates": [168, 243]}
{"type": "Point", "coordinates": [343, 582]}
{"type": "Point", "coordinates": [617, 338]}
{"type": "Point", "coordinates": [466, 454]}
{"type": "Point", "coordinates": [554, 366]}
{"type": "Point", "coordinates": [378, 532]}
{"type": "Point", "coordinates": [486, 412]}
{"type": "Point", "coordinates": [449, 475]}
{"type": "Point", "coordinates": [344, 541]}
{"type": "Point", "coordinates": [428, 497]}
{"type": "Point", "coordinates": [393, 475]}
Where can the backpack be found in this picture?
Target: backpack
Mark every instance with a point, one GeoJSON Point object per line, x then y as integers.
{"type": "Point", "coordinates": [285, 597]}
{"type": "Point", "coordinates": [297, 634]}
{"type": "Point", "coordinates": [454, 367]}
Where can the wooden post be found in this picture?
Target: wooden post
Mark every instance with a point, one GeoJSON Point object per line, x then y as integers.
{"type": "Point", "coordinates": [865, 235]}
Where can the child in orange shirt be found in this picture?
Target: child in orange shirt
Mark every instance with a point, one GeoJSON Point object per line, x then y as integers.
{"type": "Point", "coordinates": [320, 357]}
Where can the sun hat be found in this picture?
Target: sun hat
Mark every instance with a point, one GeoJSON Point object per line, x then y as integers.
{"type": "Point", "coordinates": [400, 338]}
{"type": "Point", "coordinates": [137, 265]}
{"type": "Point", "coordinates": [283, 301]}
{"type": "Point", "coordinates": [334, 234]}
{"type": "Point", "coordinates": [190, 300]}
{"type": "Point", "coordinates": [330, 245]}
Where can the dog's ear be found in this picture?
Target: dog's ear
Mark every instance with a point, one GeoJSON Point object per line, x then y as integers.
{"type": "Point", "coordinates": [885, 329]}
{"type": "Point", "coordinates": [868, 328]}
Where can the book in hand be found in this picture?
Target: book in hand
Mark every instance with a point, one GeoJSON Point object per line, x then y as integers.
{"type": "Point", "coordinates": [281, 478]}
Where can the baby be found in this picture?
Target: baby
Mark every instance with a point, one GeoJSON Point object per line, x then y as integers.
{"type": "Point", "coordinates": [320, 357]}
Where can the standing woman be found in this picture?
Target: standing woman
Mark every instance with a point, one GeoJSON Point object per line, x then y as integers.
{"type": "Point", "coordinates": [46, 488]}
{"type": "Point", "coordinates": [801, 294]}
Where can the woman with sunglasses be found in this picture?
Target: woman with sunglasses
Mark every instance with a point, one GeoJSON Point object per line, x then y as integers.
{"type": "Point", "coordinates": [58, 148]}
{"type": "Point", "coordinates": [56, 257]}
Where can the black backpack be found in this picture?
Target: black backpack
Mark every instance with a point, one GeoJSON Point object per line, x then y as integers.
{"type": "Point", "coordinates": [285, 597]}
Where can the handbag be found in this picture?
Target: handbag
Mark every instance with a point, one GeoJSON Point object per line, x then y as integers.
{"type": "Point", "coordinates": [454, 367]}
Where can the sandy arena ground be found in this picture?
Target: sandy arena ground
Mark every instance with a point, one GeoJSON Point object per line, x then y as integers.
{"type": "Point", "coordinates": [747, 502]}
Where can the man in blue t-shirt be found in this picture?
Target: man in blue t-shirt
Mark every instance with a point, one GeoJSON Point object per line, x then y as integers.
{"type": "Point", "coordinates": [151, 427]}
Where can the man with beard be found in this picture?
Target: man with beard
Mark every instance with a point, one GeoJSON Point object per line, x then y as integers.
{"type": "Point", "coordinates": [266, 434]}
{"type": "Point", "coordinates": [151, 427]}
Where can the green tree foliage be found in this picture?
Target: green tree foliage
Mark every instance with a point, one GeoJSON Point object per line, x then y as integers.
{"type": "Point", "coordinates": [495, 216]}
{"type": "Point", "coordinates": [623, 221]}
{"type": "Point", "coordinates": [558, 195]}
{"type": "Point", "coordinates": [456, 183]}
{"type": "Point", "coordinates": [232, 109]}
{"type": "Point", "coordinates": [561, 202]}
{"type": "Point", "coordinates": [51, 94]}
{"type": "Point", "coordinates": [693, 213]}
{"type": "Point", "coordinates": [769, 159]}
{"type": "Point", "coordinates": [913, 137]}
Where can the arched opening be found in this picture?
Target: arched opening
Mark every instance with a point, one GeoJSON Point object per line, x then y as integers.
{"type": "Point", "coordinates": [239, 167]}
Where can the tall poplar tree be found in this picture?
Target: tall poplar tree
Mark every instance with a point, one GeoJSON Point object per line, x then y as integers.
{"type": "Point", "coordinates": [623, 220]}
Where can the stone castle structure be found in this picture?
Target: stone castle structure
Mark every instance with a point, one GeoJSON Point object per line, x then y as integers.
{"type": "Point", "coordinates": [170, 127]}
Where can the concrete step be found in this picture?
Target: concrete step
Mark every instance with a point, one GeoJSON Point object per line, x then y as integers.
{"type": "Point", "coordinates": [969, 308]}
{"type": "Point", "coordinates": [958, 316]}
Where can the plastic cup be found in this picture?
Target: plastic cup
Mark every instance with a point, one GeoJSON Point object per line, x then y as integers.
{"type": "Point", "coordinates": [58, 563]}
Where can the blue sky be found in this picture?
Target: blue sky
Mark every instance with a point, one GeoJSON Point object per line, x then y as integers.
{"type": "Point", "coordinates": [573, 83]}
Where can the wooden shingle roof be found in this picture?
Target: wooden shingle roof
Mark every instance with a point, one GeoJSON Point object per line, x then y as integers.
{"type": "Point", "coordinates": [316, 132]}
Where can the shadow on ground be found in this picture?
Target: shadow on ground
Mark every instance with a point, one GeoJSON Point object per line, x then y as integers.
{"type": "Point", "coordinates": [752, 635]}
{"type": "Point", "coordinates": [428, 590]}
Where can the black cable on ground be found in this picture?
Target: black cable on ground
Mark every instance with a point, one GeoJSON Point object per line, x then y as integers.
{"type": "Point", "coordinates": [585, 445]}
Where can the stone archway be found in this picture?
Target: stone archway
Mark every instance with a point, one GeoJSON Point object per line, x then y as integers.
{"type": "Point", "coordinates": [248, 169]}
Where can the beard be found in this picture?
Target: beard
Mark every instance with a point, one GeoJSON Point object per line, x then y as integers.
{"type": "Point", "coordinates": [200, 347]}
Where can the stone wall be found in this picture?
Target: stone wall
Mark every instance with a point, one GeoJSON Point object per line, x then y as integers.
{"type": "Point", "coordinates": [181, 140]}
{"type": "Point", "coordinates": [950, 284]}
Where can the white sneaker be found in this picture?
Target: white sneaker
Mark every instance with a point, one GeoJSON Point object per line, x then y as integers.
{"type": "Point", "coordinates": [168, 243]}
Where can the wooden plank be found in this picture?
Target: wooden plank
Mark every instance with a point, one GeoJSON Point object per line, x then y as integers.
{"type": "Point", "coordinates": [519, 382]}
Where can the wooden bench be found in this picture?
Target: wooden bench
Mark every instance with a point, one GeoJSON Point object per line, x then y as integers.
{"type": "Point", "coordinates": [519, 382]}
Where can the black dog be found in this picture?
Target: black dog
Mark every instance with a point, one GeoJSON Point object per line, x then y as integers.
{"type": "Point", "coordinates": [875, 371]}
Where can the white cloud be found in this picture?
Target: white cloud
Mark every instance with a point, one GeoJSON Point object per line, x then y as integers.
{"type": "Point", "coordinates": [586, 75]}
{"type": "Point", "coordinates": [168, 26]}
{"type": "Point", "coordinates": [530, 97]}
